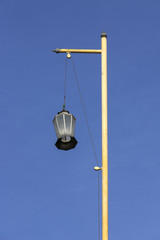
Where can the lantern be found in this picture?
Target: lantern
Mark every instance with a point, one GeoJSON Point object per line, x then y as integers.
{"type": "Point", "coordinates": [64, 124]}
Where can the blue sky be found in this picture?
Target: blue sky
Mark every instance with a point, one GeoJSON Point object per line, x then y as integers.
{"type": "Point", "coordinates": [50, 194]}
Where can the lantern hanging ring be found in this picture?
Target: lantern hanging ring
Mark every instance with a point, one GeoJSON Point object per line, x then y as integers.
{"type": "Point", "coordinates": [68, 55]}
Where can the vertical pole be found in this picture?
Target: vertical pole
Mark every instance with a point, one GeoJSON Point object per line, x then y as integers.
{"type": "Point", "coordinates": [104, 138]}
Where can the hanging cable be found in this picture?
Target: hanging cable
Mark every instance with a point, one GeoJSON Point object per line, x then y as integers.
{"type": "Point", "coordinates": [99, 208]}
{"type": "Point", "coordinates": [65, 85]}
{"type": "Point", "coordinates": [89, 131]}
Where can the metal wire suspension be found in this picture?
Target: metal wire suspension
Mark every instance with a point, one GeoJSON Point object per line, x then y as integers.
{"type": "Point", "coordinates": [64, 102]}
{"type": "Point", "coordinates": [89, 131]}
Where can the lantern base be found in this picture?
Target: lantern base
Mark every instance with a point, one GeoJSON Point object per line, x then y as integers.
{"type": "Point", "coordinates": [60, 144]}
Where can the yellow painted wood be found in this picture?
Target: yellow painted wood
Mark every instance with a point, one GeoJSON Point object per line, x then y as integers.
{"type": "Point", "coordinates": [98, 51]}
{"type": "Point", "coordinates": [104, 139]}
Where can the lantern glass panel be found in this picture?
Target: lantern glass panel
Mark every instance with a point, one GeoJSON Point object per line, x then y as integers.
{"type": "Point", "coordinates": [73, 125]}
{"type": "Point", "coordinates": [60, 122]}
{"type": "Point", "coordinates": [56, 126]}
{"type": "Point", "coordinates": [68, 124]}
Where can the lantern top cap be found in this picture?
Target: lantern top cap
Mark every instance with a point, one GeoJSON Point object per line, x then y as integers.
{"type": "Point", "coordinates": [63, 111]}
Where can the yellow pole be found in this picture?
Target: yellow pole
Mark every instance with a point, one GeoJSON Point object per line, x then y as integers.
{"type": "Point", "coordinates": [104, 138]}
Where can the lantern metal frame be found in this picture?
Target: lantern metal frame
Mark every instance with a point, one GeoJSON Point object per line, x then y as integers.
{"type": "Point", "coordinates": [65, 135]}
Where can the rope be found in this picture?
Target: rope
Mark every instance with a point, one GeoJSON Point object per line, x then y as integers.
{"type": "Point", "coordinates": [99, 208]}
{"type": "Point", "coordinates": [65, 85]}
{"type": "Point", "coordinates": [89, 131]}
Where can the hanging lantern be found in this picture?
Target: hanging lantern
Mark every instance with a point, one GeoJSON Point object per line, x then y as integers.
{"type": "Point", "coordinates": [64, 124]}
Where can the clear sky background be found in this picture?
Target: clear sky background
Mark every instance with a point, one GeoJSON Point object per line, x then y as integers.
{"type": "Point", "coordinates": [47, 194]}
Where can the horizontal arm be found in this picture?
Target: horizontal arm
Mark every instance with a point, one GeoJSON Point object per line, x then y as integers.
{"type": "Point", "coordinates": [57, 50]}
